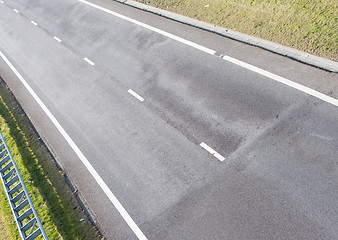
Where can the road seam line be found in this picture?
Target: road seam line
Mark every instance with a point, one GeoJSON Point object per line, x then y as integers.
{"type": "Point", "coordinates": [88, 61]}
{"type": "Point", "coordinates": [80, 155]}
{"type": "Point", "coordinates": [284, 81]}
{"type": "Point", "coordinates": [169, 35]}
{"type": "Point", "coordinates": [230, 59]}
{"type": "Point", "coordinates": [212, 151]}
{"type": "Point", "coordinates": [141, 99]}
{"type": "Point", "coordinates": [57, 39]}
{"type": "Point", "coordinates": [34, 23]}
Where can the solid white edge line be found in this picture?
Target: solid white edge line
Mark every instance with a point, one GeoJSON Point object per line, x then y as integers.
{"type": "Point", "coordinates": [15, 10]}
{"type": "Point", "coordinates": [282, 80]}
{"type": "Point", "coordinates": [88, 61]}
{"type": "Point", "coordinates": [230, 59]}
{"type": "Point", "coordinates": [141, 99]}
{"type": "Point", "coordinates": [81, 156]}
{"type": "Point", "coordinates": [172, 36]}
{"type": "Point", "coordinates": [57, 39]}
{"type": "Point", "coordinates": [34, 23]}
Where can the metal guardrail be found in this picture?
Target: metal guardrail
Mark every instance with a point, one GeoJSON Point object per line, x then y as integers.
{"type": "Point", "coordinates": [26, 218]}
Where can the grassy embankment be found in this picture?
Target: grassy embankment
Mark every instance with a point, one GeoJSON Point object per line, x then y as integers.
{"type": "Point", "coordinates": [307, 25]}
{"type": "Point", "coordinates": [56, 206]}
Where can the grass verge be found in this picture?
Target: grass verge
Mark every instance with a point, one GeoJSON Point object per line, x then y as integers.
{"type": "Point", "coordinates": [57, 208]}
{"type": "Point", "coordinates": [307, 25]}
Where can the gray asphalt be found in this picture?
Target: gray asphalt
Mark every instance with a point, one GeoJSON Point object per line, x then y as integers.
{"type": "Point", "coordinates": [279, 177]}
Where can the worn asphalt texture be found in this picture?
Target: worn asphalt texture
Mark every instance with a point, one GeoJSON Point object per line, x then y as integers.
{"type": "Point", "coordinates": [280, 173]}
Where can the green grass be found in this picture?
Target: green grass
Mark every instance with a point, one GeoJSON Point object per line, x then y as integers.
{"type": "Point", "coordinates": [307, 25]}
{"type": "Point", "coordinates": [56, 206]}
{"type": "Point", "coordinates": [8, 227]}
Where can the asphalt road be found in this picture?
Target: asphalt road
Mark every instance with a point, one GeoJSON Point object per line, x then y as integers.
{"type": "Point", "coordinates": [278, 145]}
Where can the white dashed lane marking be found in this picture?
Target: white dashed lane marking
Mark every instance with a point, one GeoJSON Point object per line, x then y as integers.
{"type": "Point", "coordinates": [81, 156]}
{"type": "Point", "coordinates": [219, 156]}
{"type": "Point", "coordinates": [212, 52]}
{"type": "Point", "coordinates": [141, 99]}
{"type": "Point", "coordinates": [34, 23]}
{"type": "Point", "coordinates": [88, 61]}
{"type": "Point", "coordinates": [15, 10]}
{"type": "Point", "coordinates": [212, 152]}
{"type": "Point", "coordinates": [57, 39]}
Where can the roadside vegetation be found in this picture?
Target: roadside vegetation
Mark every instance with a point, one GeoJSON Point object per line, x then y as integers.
{"type": "Point", "coordinates": [60, 213]}
{"type": "Point", "coordinates": [307, 25]}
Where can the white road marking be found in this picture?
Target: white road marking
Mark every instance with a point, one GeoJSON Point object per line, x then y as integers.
{"type": "Point", "coordinates": [99, 180]}
{"type": "Point", "coordinates": [141, 99]}
{"type": "Point", "coordinates": [57, 39]}
{"type": "Point", "coordinates": [219, 156]}
{"type": "Point", "coordinates": [15, 10]}
{"type": "Point", "coordinates": [230, 59]}
{"type": "Point", "coordinates": [2, 2]}
{"type": "Point", "coordinates": [212, 151]}
{"type": "Point", "coordinates": [81, 156]}
{"type": "Point", "coordinates": [206, 147]}
{"type": "Point", "coordinates": [322, 137]}
{"type": "Point", "coordinates": [282, 80]}
{"type": "Point", "coordinates": [34, 23]}
{"type": "Point", "coordinates": [169, 35]}
{"type": "Point", "coordinates": [88, 61]}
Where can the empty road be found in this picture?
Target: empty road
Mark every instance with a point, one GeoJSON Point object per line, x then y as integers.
{"type": "Point", "coordinates": [171, 132]}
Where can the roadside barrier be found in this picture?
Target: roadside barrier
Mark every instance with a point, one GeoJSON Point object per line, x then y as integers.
{"type": "Point", "coordinates": [26, 218]}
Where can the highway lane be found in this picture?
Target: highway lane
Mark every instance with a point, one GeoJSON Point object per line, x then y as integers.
{"type": "Point", "coordinates": [279, 176]}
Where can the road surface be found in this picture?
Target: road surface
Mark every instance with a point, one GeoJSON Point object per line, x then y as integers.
{"type": "Point", "coordinates": [166, 131]}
